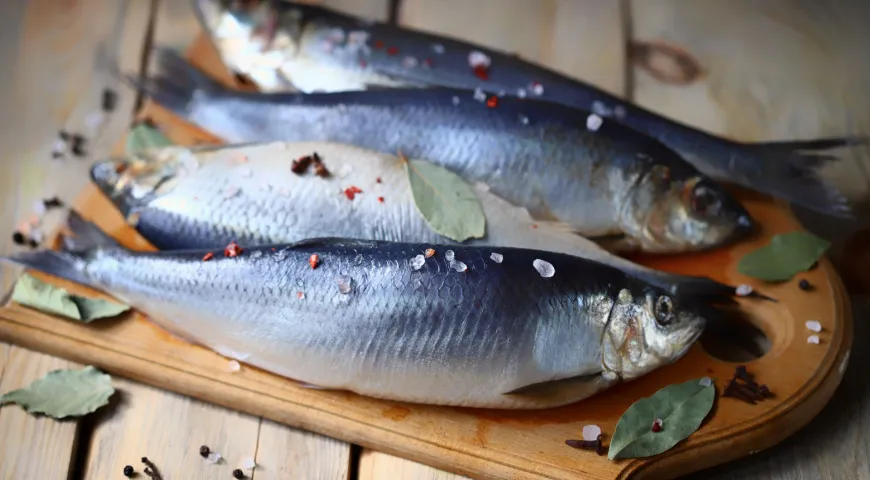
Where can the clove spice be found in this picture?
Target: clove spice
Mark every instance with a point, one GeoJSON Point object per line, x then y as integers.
{"type": "Point", "coordinates": [151, 470]}
{"type": "Point", "coordinates": [319, 168]}
{"type": "Point", "coordinates": [128, 471]}
{"type": "Point", "coordinates": [588, 445]}
{"type": "Point", "coordinates": [749, 390]}
{"type": "Point", "coordinates": [204, 451]}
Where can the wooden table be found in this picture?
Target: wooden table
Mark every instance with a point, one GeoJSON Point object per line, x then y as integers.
{"type": "Point", "coordinates": [785, 69]}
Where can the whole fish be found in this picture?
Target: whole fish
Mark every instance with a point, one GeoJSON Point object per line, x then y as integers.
{"type": "Point", "coordinates": [561, 164]}
{"type": "Point", "coordinates": [530, 330]}
{"type": "Point", "coordinates": [285, 46]}
{"type": "Point", "coordinates": [208, 196]}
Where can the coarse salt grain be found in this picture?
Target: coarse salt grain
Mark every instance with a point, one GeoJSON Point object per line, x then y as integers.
{"type": "Point", "coordinates": [591, 432]}
{"type": "Point", "coordinates": [214, 458]}
{"type": "Point", "coordinates": [496, 257]}
{"type": "Point", "coordinates": [478, 59]}
{"type": "Point", "coordinates": [544, 268]}
{"type": "Point", "coordinates": [537, 89]}
{"type": "Point", "coordinates": [813, 339]}
{"type": "Point", "coordinates": [455, 100]}
{"type": "Point", "coordinates": [479, 95]}
{"type": "Point", "coordinates": [706, 382]}
{"type": "Point", "coordinates": [814, 326]}
{"type": "Point", "coordinates": [743, 290]}
{"type": "Point", "coordinates": [593, 122]}
{"type": "Point", "coordinates": [438, 48]}
{"type": "Point", "coordinates": [248, 463]}
{"type": "Point", "coordinates": [233, 366]}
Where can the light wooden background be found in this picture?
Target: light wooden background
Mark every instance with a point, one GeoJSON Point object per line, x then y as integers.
{"type": "Point", "coordinates": [773, 69]}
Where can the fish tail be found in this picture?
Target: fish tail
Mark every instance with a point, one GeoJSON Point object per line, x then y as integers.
{"type": "Point", "coordinates": [176, 84]}
{"type": "Point", "coordinates": [799, 164]}
{"type": "Point", "coordinates": [69, 263]}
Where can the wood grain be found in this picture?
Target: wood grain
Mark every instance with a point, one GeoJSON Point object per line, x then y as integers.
{"type": "Point", "coordinates": [286, 452]}
{"type": "Point", "coordinates": [42, 447]}
{"type": "Point", "coordinates": [375, 466]}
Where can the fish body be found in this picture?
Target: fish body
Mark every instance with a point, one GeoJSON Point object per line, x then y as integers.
{"type": "Point", "coordinates": [561, 164]}
{"type": "Point", "coordinates": [205, 197]}
{"type": "Point", "coordinates": [290, 46]}
{"type": "Point", "coordinates": [459, 329]}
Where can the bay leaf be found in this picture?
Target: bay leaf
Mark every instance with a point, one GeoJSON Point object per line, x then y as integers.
{"type": "Point", "coordinates": [64, 393]}
{"type": "Point", "coordinates": [447, 203]}
{"type": "Point", "coordinates": [786, 255]}
{"type": "Point", "coordinates": [143, 137]}
{"type": "Point", "coordinates": [681, 407]}
{"type": "Point", "coordinates": [34, 293]}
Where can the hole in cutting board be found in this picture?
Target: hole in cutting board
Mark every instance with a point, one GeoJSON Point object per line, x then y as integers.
{"type": "Point", "coordinates": [735, 339]}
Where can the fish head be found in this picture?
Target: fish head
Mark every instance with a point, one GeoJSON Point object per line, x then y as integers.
{"type": "Point", "coordinates": [648, 329]}
{"type": "Point", "coordinates": [674, 212]}
{"type": "Point", "coordinates": [252, 37]}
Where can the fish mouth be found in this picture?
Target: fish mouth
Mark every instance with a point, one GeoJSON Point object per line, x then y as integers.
{"type": "Point", "coordinates": [106, 174]}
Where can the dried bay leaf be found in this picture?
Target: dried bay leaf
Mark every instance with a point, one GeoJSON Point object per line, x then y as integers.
{"type": "Point", "coordinates": [34, 293]}
{"type": "Point", "coordinates": [447, 203]}
{"type": "Point", "coordinates": [144, 137]}
{"type": "Point", "coordinates": [786, 255]}
{"type": "Point", "coordinates": [64, 393]}
{"type": "Point", "coordinates": [681, 407]}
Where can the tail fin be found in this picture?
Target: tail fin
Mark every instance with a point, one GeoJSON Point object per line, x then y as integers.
{"type": "Point", "coordinates": [176, 84]}
{"type": "Point", "coordinates": [799, 179]}
{"type": "Point", "coordinates": [702, 288]}
{"type": "Point", "coordinates": [70, 263]}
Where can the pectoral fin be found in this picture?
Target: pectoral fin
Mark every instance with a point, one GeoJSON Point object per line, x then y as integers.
{"type": "Point", "coordinates": [578, 387]}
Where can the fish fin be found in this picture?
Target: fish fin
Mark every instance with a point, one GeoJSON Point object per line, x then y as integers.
{"type": "Point", "coordinates": [334, 242]}
{"type": "Point", "coordinates": [312, 386]}
{"type": "Point", "coordinates": [561, 226]}
{"type": "Point", "coordinates": [561, 388]}
{"type": "Point", "coordinates": [86, 235]}
{"type": "Point", "coordinates": [615, 243]}
{"type": "Point", "coordinates": [176, 83]}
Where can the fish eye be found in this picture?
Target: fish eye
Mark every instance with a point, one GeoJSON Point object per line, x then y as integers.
{"type": "Point", "coordinates": [706, 201]}
{"type": "Point", "coordinates": [664, 310]}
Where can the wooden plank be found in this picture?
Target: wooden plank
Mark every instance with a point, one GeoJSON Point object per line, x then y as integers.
{"type": "Point", "coordinates": [780, 70]}
{"type": "Point", "coordinates": [375, 466]}
{"type": "Point", "coordinates": [581, 38]}
{"type": "Point", "coordinates": [286, 452]}
{"type": "Point", "coordinates": [30, 446]}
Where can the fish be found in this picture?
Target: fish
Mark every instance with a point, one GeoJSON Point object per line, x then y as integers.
{"type": "Point", "coordinates": [208, 196]}
{"type": "Point", "coordinates": [290, 46]}
{"type": "Point", "coordinates": [603, 179]}
{"type": "Point", "coordinates": [534, 330]}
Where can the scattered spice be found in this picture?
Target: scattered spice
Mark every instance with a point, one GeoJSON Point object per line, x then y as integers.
{"type": "Point", "coordinates": [299, 166]}
{"type": "Point", "coordinates": [232, 250]}
{"type": "Point", "coordinates": [128, 471]}
{"type": "Point", "coordinates": [110, 100]}
{"type": "Point", "coordinates": [492, 101]}
{"type": "Point", "coordinates": [378, 180]}
{"type": "Point", "coordinates": [78, 145]}
{"type": "Point", "coordinates": [300, 295]}
{"type": "Point", "coordinates": [537, 88]}
{"type": "Point", "coordinates": [378, 44]}
{"type": "Point", "coordinates": [208, 256]}
{"type": "Point", "coordinates": [814, 339]}
{"type": "Point", "coordinates": [743, 290]}
{"type": "Point", "coordinates": [204, 451]}
{"type": "Point", "coordinates": [313, 260]}
{"type": "Point", "coordinates": [33, 243]}
{"type": "Point", "coordinates": [481, 72]}
{"type": "Point", "coordinates": [804, 285]}
{"type": "Point", "coordinates": [381, 199]}
{"type": "Point", "coordinates": [319, 168]}
{"type": "Point", "coordinates": [18, 238]}
{"type": "Point", "coordinates": [588, 445]}
{"type": "Point", "coordinates": [534, 225]}
{"type": "Point", "coordinates": [53, 202]}
{"type": "Point", "coordinates": [429, 252]}
{"type": "Point", "coordinates": [64, 135]}
{"type": "Point", "coordinates": [233, 366]}
{"type": "Point", "coordinates": [749, 391]}
{"type": "Point", "coordinates": [238, 473]}
{"type": "Point", "coordinates": [351, 192]}
{"type": "Point", "coordinates": [151, 469]}
{"type": "Point", "coordinates": [392, 51]}
{"type": "Point", "coordinates": [657, 425]}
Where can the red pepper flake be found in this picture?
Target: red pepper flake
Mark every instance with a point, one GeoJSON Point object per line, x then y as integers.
{"type": "Point", "coordinates": [351, 192]}
{"type": "Point", "coordinates": [429, 252]}
{"type": "Point", "coordinates": [427, 63]}
{"type": "Point", "coordinates": [313, 260]}
{"type": "Point", "coordinates": [534, 225]}
{"type": "Point", "coordinates": [379, 44]}
{"type": "Point", "coordinates": [208, 256]}
{"type": "Point", "coordinates": [657, 425]}
{"type": "Point", "coordinates": [381, 199]}
{"type": "Point", "coordinates": [378, 180]}
{"type": "Point", "coordinates": [481, 72]}
{"type": "Point", "coordinates": [300, 295]}
{"type": "Point", "coordinates": [492, 101]}
{"type": "Point", "coordinates": [232, 250]}
{"type": "Point", "coordinates": [392, 51]}
{"type": "Point", "coordinates": [120, 168]}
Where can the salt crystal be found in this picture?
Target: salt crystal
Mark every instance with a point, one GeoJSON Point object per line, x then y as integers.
{"type": "Point", "coordinates": [743, 290]}
{"type": "Point", "coordinates": [344, 170]}
{"type": "Point", "coordinates": [336, 35]}
{"type": "Point", "coordinates": [214, 458]}
{"type": "Point", "coordinates": [496, 257]}
{"type": "Point", "coordinates": [417, 262]}
{"type": "Point", "coordinates": [524, 119]}
{"type": "Point", "coordinates": [478, 59]}
{"type": "Point", "coordinates": [706, 382]}
{"type": "Point", "coordinates": [39, 207]}
{"type": "Point", "coordinates": [591, 432]}
{"type": "Point", "coordinates": [37, 236]}
{"type": "Point", "coordinates": [248, 463]}
{"type": "Point", "coordinates": [458, 266]}
{"type": "Point", "coordinates": [59, 146]}
{"type": "Point", "coordinates": [449, 255]}
{"type": "Point", "coordinates": [358, 37]}
{"type": "Point", "coordinates": [479, 95]}
{"type": "Point", "coordinates": [233, 366]}
{"type": "Point", "coordinates": [344, 284]}
{"type": "Point", "coordinates": [409, 62]}
{"type": "Point", "coordinates": [245, 172]}
{"type": "Point", "coordinates": [455, 100]}
{"type": "Point", "coordinates": [438, 48]}
{"type": "Point", "coordinates": [521, 93]}
{"type": "Point", "coordinates": [600, 108]}
{"type": "Point", "coordinates": [813, 339]}
{"type": "Point", "coordinates": [300, 295]}
{"type": "Point", "coordinates": [544, 268]}
{"type": "Point", "coordinates": [593, 122]}
{"type": "Point", "coordinates": [619, 111]}
{"type": "Point", "coordinates": [256, 254]}
{"type": "Point", "coordinates": [814, 325]}
{"type": "Point", "coordinates": [537, 89]}
{"type": "Point", "coordinates": [94, 120]}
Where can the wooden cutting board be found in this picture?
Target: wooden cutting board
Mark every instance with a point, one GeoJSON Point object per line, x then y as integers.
{"type": "Point", "coordinates": [486, 443]}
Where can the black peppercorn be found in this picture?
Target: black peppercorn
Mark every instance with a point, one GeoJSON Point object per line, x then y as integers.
{"type": "Point", "coordinates": [32, 243]}
{"type": "Point", "coordinates": [237, 473]}
{"type": "Point", "coordinates": [18, 238]}
{"type": "Point", "coordinates": [128, 471]}
{"type": "Point", "coordinates": [204, 451]}
{"type": "Point", "coordinates": [804, 284]}
{"type": "Point", "coordinates": [110, 99]}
